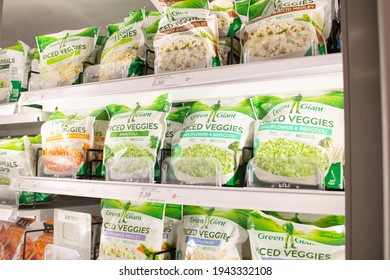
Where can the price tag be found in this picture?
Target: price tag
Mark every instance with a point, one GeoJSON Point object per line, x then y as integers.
{"type": "Point", "coordinates": [32, 96]}
{"type": "Point", "coordinates": [151, 194]}
{"type": "Point", "coordinates": [163, 81]}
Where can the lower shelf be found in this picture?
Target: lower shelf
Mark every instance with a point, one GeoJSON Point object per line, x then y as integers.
{"type": "Point", "coordinates": [282, 200]}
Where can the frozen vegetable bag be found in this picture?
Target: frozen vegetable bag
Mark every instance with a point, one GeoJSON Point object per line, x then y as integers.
{"type": "Point", "coordinates": [229, 21]}
{"type": "Point", "coordinates": [131, 230]}
{"type": "Point", "coordinates": [135, 132]}
{"type": "Point", "coordinates": [214, 129]}
{"type": "Point", "coordinates": [62, 55]}
{"type": "Point", "coordinates": [300, 139]}
{"type": "Point", "coordinates": [13, 71]}
{"type": "Point", "coordinates": [125, 48]}
{"type": "Point", "coordinates": [16, 159]}
{"type": "Point", "coordinates": [175, 121]}
{"type": "Point", "coordinates": [187, 38]}
{"type": "Point", "coordinates": [172, 220]}
{"type": "Point", "coordinates": [65, 140]}
{"type": "Point", "coordinates": [100, 127]}
{"type": "Point", "coordinates": [212, 234]}
{"type": "Point", "coordinates": [295, 236]}
{"type": "Point", "coordinates": [290, 29]}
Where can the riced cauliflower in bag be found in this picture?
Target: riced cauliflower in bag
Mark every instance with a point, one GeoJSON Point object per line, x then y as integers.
{"type": "Point", "coordinates": [14, 69]}
{"type": "Point", "coordinates": [300, 139]}
{"type": "Point", "coordinates": [135, 132]}
{"type": "Point", "coordinates": [65, 140]}
{"type": "Point", "coordinates": [62, 55]}
{"type": "Point", "coordinates": [187, 38]}
{"type": "Point", "coordinates": [123, 53]}
{"type": "Point", "coordinates": [131, 230]}
{"type": "Point", "coordinates": [293, 236]}
{"type": "Point", "coordinates": [214, 129]}
{"type": "Point", "coordinates": [212, 234]}
{"type": "Point", "coordinates": [290, 28]}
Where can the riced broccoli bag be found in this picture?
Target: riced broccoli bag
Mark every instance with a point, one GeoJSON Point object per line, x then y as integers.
{"type": "Point", "coordinates": [217, 130]}
{"type": "Point", "coordinates": [292, 236]}
{"type": "Point", "coordinates": [229, 21]}
{"type": "Point", "coordinates": [212, 234]}
{"type": "Point", "coordinates": [290, 28]}
{"type": "Point", "coordinates": [135, 132]}
{"type": "Point", "coordinates": [62, 55]}
{"type": "Point", "coordinates": [16, 159]}
{"type": "Point", "coordinates": [300, 139]}
{"type": "Point", "coordinates": [65, 140]}
{"type": "Point", "coordinates": [125, 48]}
{"type": "Point", "coordinates": [187, 38]}
{"type": "Point", "coordinates": [172, 220]}
{"type": "Point", "coordinates": [131, 230]}
{"type": "Point", "coordinates": [14, 69]}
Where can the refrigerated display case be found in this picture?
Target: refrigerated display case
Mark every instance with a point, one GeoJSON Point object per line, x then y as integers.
{"type": "Point", "coordinates": [357, 70]}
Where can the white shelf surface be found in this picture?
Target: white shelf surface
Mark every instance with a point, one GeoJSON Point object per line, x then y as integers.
{"type": "Point", "coordinates": [7, 109]}
{"type": "Point", "coordinates": [284, 75]}
{"type": "Point", "coordinates": [23, 118]}
{"type": "Point", "coordinates": [301, 201]}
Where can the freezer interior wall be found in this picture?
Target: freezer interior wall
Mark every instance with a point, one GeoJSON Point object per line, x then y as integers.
{"type": "Point", "coordinates": [24, 19]}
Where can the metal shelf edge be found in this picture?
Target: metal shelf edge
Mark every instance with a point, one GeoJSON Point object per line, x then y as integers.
{"type": "Point", "coordinates": [301, 201]}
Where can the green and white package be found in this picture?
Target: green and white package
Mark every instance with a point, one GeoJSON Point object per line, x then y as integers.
{"type": "Point", "coordinates": [65, 140]}
{"type": "Point", "coordinates": [28, 197]}
{"type": "Point", "coordinates": [136, 132]}
{"type": "Point", "coordinates": [212, 234]}
{"type": "Point", "coordinates": [214, 129]}
{"type": "Point", "coordinates": [291, 28]}
{"type": "Point", "coordinates": [15, 159]}
{"type": "Point", "coordinates": [229, 21]}
{"type": "Point", "coordinates": [292, 236]}
{"type": "Point", "coordinates": [300, 139]}
{"type": "Point", "coordinates": [224, 45]}
{"type": "Point", "coordinates": [100, 127]}
{"type": "Point", "coordinates": [175, 121]}
{"type": "Point", "coordinates": [62, 55]}
{"type": "Point", "coordinates": [124, 48]}
{"type": "Point", "coordinates": [150, 27]}
{"type": "Point", "coordinates": [98, 50]}
{"type": "Point", "coordinates": [13, 71]}
{"type": "Point", "coordinates": [34, 57]}
{"type": "Point", "coordinates": [177, 5]}
{"type": "Point", "coordinates": [187, 38]}
{"type": "Point", "coordinates": [172, 220]}
{"type": "Point", "coordinates": [260, 8]}
{"type": "Point", "coordinates": [131, 230]}
{"type": "Point", "coordinates": [242, 7]}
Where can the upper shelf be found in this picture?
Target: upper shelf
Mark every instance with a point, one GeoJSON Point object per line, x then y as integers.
{"type": "Point", "coordinates": [301, 201]}
{"type": "Point", "coordinates": [305, 73]}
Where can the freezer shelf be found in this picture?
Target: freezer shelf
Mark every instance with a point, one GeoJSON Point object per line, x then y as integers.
{"type": "Point", "coordinates": [244, 80]}
{"type": "Point", "coordinates": [301, 201]}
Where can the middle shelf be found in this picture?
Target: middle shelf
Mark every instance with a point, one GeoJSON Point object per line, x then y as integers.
{"type": "Point", "coordinates": [300, 201]}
